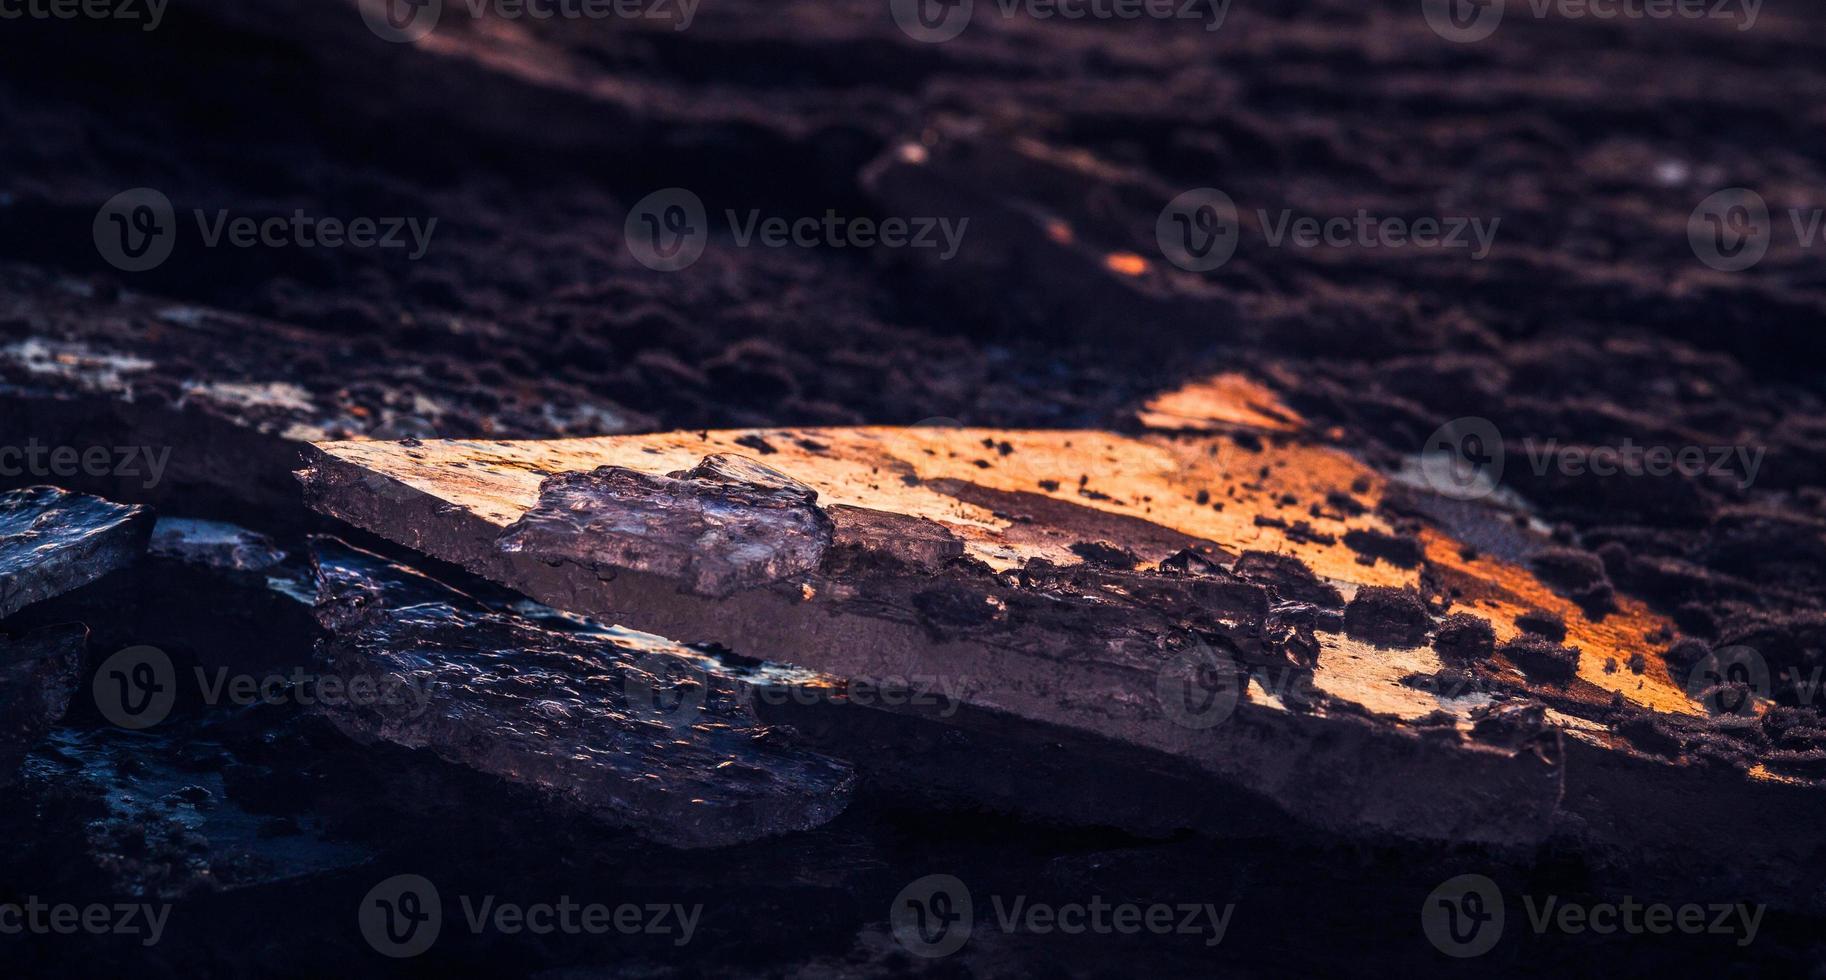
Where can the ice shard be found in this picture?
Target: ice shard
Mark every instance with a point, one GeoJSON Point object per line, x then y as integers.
{"type": "Point", "coordinates": [644, 739]}
{"type": "Point", "coordinates": [1048, 581]}
{"type": "Point", "coordinates": [53, 541]}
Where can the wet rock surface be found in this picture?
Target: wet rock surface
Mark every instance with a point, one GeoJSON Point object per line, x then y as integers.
{"type": "Point", "coordinates": [52, 541]}
{"type": "Point", "coordinates": [653, 742]}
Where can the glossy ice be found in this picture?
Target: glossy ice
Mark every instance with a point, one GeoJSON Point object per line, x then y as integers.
{"type": "Point", "coordinates": [52, 541]}
{"type": "Point", "coordinates": [664, 745]}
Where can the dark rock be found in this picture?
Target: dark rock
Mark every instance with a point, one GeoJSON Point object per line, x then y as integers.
{"type": "Point", "coordinates": [915, 541]}
{"type": "Point", "coordinates": [1465, 638]}
{"type": "Point", "coordinates": [1650, 733]}
{"type": "Point", "coordinates": [1512, 725]}
{"type": "Point", "coordinates": [38, 675]}
{"type": "Point", "coordinates": [1541, 623]}
{"type": "Point", "coordinates": [1542, 659]}
{"type": "Point", "coordinates": [1106, 555]}
{"type": "Point", "coordinates": [1288, 578]}
{"type": "Point", "coordinates": [1188, 562]}
{"type": "Point", "coordinates": [1686, 652]}
{"type": "Point", "coordinates": [1387, 616]}
{"type": "Point", "coordinates": [1401, 551]}
{"type": "Point", "coordinates": [1577, 575]}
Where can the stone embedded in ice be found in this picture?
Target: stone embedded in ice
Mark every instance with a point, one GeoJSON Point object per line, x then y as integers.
{"type": "Point", "coordinates": [727, 524]}
{"type": "Point", "coordinates": [643, 739]}
{"type": "Point", "coordinates": [53, 541]}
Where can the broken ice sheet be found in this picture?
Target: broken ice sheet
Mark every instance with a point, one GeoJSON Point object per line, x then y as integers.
{"type": "Point", "coordinates": [637, 738]}
{"type": "Point", "coordinates": [53, 541]}
{"type": "Point", "coordinates": [214, 544]}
